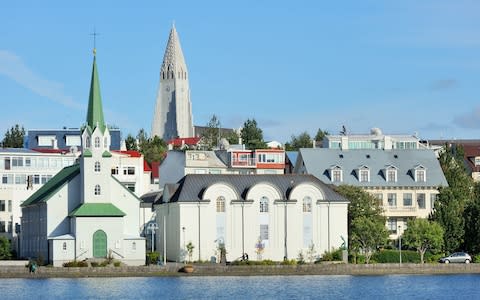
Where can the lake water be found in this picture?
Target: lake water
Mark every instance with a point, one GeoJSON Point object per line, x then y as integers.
{"type": "Point", "coordinates": [251, 287]}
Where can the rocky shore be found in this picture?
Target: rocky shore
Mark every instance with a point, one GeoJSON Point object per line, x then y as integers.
{"type": "Point", "coordinates": [172, 269]}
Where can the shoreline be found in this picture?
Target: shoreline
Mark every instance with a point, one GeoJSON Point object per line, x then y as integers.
{"type": "Point", "coordinates": [172, 270]}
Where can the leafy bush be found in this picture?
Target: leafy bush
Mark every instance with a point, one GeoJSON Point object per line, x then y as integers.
{"type": "Point", "coordinates": [75, 263]}
{"type": "Point", "coordinates": [94, 264]}
{"type": "Point", "coordinates": [476, 258]}
{"type": "Point", "coordinates": [334, 255]}
{"type": "Point", "coordinates": [152, 258]}
{"type": "Point", "coordinates": [117, 263]}
{"type": "Point", "coordinates": [289, 262]}
{"type": "Point", "coordinates": [105, 263]}
{"type": "Point", "coordinates": [266, 262]}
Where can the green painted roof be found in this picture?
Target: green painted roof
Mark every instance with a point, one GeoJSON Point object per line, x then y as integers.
{"type": "Point", "coordinates": [106, 154]}
{"type": "Point", "coordinates": [97, 210]}
{"type": "Point", "coordinates": [53, 185]}
{"type": "Point", "coordinates": [87, 153]}
{"type": "Point", "coordinates": [95, 110]}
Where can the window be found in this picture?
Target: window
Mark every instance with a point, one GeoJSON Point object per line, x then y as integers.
{"type": "Point", "coordinates": [10, 227]}
{"type": "Point", "coordinates": [2, 205]}
{"type": "Point", "coordinates": [97, 189]}
{"type": "Point", "coordinates": [421, 200]}
{"type": "Point", "coordinates": [9, 205]}
{"type": "Point", "coordinates": [97, 166]}
{"type": "Point", "coordinates": [64, 246]}
{"type": "Point", "coordinates": [28, 162]}
{"type": "Point", "coordinates": [97, 142]}
{"type": "Point", "coordinates": [391, 175]}
{"type": "Point", "coordinates": [392, 199]}
{"type": "Point", "coordinates": [115, 170]}
{"type": "Point", "coordinates": [130, 186]}
{"type": "Point", "coordinates": [264, 204]}
{"type": "Point", "coordinates": [337, 175]}
{"type": "Point", "coordinates": [87, 142]}
{"type": "Point", "coordinates": [364, 175]}
{"type": "Point", "coordinates": [407, 199]}
{"type": "Point", "coordinates": [433, 198]}
{"type": "Point", "coordinates": [7, 163]}
{"type": "Point", "coordinates": [128, 170]}
{"type": "Point", "coordinates": [420, 175]}
{"type": "Point", "coordinates": [20, 179]}
{"type": "Point", "coordinates": [264, 232]}
{"type": "Point", "coordinates": [45, 178]}
{"type": "Point", "coordinates": [392, 225]}
{"type": "Point", "coordinates": [105, 142]}
{"type": "Point", "coordinates": [2, 226]}
{"type": "Point", "coordinates": [379, 197]}
{"type": "Point", "coordinates": [307, 204]}
{"type": "Point", "coordinates": [7, 178]}
{"type": "Point", "coordinates": [17, 161]}
{"type": "Point", "coordinates": [221, 204]}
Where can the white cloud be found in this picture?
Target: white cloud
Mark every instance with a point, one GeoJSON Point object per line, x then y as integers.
{"type": "Point", "coordinates": [14, 68]}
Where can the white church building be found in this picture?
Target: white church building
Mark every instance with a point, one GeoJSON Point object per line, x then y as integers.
{"type": "Point", "coordinates": [84, 212]}
{"type": "Point", "coordinates": [265, 216]}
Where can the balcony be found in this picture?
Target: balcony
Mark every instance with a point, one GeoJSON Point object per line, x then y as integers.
{"type": "Point", "coordinates": [244, 163]}
{"type": "Point", "coordinates": [400, 211]}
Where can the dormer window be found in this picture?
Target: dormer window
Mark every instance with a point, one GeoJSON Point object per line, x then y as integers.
{"type": "Point", "coordinates": [391, 174]}
{"type": "Point", "coordinates": [419, 173]}
{"type": "Point", "coordinates": [363, 174]}
{"type": "Point", "coordinates": [336, 174]}
{"type": "Point", "coordinates": [97, 142]}
{"type": "Point", "coordinates": [97, 166]}
{"type": "Point", "coordinates": [97, 190]}
{"type": "Point", "coordinates": [87, 142]}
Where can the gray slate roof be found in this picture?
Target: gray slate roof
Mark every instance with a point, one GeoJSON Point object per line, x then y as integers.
{"type": "Point", "coordinates": [191, 187]}
{"type": "Point", "coordinates": [319, 161]}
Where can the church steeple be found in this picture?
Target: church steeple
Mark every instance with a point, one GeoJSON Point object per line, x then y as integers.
{"type": "Point", "coordinates": [173, 110]}
{"type": "Point", "coordinates": [95, 110]}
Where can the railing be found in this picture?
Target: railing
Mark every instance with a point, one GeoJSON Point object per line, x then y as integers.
{"type": "Point", "coordinates": [250, 162]}
{"type": "Point", "coordinates": [81, 254]}
{"type": "Point", "coordinates": [399, 208]}
{"type": "Point", "coordinates": [113, 251]}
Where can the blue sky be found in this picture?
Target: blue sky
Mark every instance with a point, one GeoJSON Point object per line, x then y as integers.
{"type": "Point", "coordinates": [403, 66]}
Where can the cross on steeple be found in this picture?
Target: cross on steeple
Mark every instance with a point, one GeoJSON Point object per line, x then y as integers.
{"type": "Point", "coordinates": [95, 33]}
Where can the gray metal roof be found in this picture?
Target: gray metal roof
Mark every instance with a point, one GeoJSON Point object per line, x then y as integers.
{"type": "Point", "coordinates": [191, 187]}
{"type": "Point", "coordinates": [319, 161]}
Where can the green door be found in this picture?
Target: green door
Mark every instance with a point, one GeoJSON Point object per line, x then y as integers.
{"type": "Point", "coordinates": [99, 244]}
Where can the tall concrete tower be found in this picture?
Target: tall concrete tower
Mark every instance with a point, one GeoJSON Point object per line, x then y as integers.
{"type": "Point", "coordinates": [173, 109]}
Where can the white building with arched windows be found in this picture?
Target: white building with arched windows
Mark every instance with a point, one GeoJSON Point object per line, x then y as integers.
{"type": "Point", "coordinates": [265, 216]}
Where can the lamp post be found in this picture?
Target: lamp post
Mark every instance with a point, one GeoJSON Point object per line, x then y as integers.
{"type": "Point", "coordinates": [400, 243]}
{"type": "Point", "coordinates": [152, 227]}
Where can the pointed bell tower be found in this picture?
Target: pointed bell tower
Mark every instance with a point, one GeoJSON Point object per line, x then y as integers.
{"type": "Point", "coordinates": [95, 161]}
{"type": "Point", "coordinates": [173, 109]}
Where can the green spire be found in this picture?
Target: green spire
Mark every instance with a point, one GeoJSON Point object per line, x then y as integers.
{"type": "Point", "coordinates": [95, 110]}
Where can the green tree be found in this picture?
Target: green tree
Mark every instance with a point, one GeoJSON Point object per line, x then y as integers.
{"type": "Point", "coordinates": [131, 143]}
{"type": "Point", "coordinates": [320, 135]}
{"type": "Point", "coordinates": [303, 140]}
{"type": "Point", "coordinates": [211, 136]}
{"type": "Point", "coordinates": [252, 136]}
{"type": "Point", "coordinates": [153, 149]}
{"type": "Point", "coordinates": [423, 235]}
{"type": "Point", "coordinates": [232, 137]}
{"type": "Point", "coordinates": [5, 252]}
{"type": "Point", "coordinates": [451, 202]}
{"type": "Point", "coordinates": [364, 212]}
{"type": "Point", "coordinates": [472, 223]}
{"type": "Point", "coordinates": [14, 137]}
{"type": "Point", "coordinates": [368, 234]}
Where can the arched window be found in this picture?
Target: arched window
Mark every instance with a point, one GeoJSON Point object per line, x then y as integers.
{"type": "Point", "coordinates": [97, 166]}
{"type": "Point", "coordinates": [264, 204]}
{"type": "Point", "coordinates": [97, 189]}
{"type": "Point", "coordinates": [64, 246]}
{"type": "Point", "coordinates": [221, 204]}
{"type": "Point", "coordinates": [87, 142]}
{"type": "Point", "coordinates": [97, 142]}
{"type": "Point", "coordinates": [105, 142]}
{"type": "Point", "coordinates": [307, 204]}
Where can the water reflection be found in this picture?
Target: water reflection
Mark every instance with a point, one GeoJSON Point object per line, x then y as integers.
{"type": "Point", "coordinates": [247, 287]}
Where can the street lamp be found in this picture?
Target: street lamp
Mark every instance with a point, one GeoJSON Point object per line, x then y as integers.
{"type": "Point", "coordinates": [400, 243]}
{"type": "Point", "coordinates": [152, 227]}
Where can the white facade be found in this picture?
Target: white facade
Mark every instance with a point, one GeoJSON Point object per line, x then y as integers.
{"type": "Point", "coordinates": [221, 214]}
{"type": "Point", "coordinates": [22, 173]}
{"type": "Point", "coordinates": [173, 109]}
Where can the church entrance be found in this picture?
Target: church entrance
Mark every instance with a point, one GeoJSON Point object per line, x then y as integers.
{"type": "Point", "coordinates": [99, 244]}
